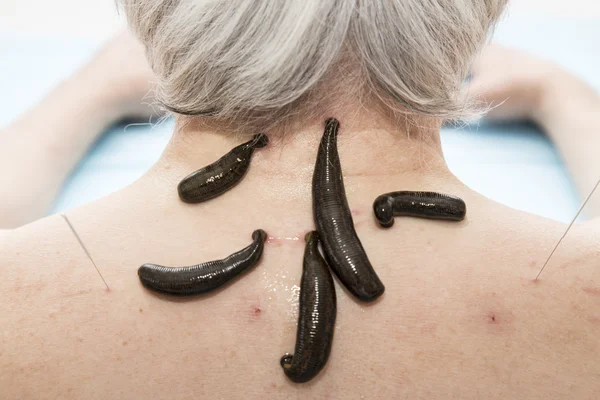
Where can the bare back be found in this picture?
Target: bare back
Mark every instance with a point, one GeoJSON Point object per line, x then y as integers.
{"type": "Point", "coordinates": [461, 316]}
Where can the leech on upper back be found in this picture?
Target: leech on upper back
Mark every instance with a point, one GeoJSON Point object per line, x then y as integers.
{"type": "Point", "coordinates": [316, 320]}
{"type": "Point", "coordinates": [430, 205]}
{"type": "Point", "coordinates": [333, 219]}
{"type": "Point", "coordinates": [222, 175]}
{"type": "Point", "coordinates": [205, 277]}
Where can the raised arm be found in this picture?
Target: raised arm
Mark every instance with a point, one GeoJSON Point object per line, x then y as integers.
{"type": "Point", "coordinates": [40, 149]}
{"type": "Point", "coordinates": [565, 107]}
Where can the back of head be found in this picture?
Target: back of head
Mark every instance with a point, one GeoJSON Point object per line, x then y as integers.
{"type": "Point", "coordinates": [243, 59]}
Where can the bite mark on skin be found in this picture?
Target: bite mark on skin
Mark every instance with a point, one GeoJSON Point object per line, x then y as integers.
{"type": "Point", "coordinates": [255, 312]}
{"type": "Point", "coordinates": [493, 314]}
{"type": "Point", "coordinates": [500, 321]}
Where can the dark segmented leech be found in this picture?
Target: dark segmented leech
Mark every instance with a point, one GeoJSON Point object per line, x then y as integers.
{"type": "Point", "coordinates": [220, 176]}
{"type": "Point", "coordinates": [205, 277]}
{"type": "Point", "coordinates": [343, 249]}
{"type": "Point", "coordinates": [418, 204]}
{"type": "Point", "coordinates": [316, 320]}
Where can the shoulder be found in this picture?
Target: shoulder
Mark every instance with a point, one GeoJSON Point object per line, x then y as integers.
{"type": "Point", "coordinates": [35, 253]}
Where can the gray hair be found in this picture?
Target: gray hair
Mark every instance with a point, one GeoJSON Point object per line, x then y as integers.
{"type": "Point", "coordinates": [243, 58]}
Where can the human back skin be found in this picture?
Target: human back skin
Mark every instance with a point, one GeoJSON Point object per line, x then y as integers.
{"type": "Point", "coordinates": [462, 315]}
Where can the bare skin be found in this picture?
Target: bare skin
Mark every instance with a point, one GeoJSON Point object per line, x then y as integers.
{"type": "Point", "coordinates": [462, 316]}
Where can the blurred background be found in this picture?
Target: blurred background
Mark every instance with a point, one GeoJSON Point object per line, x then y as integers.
{"type": "Point", "coordinates": [43, 42]}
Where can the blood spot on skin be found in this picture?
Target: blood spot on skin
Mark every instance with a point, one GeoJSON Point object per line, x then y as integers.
{"type": "Point", "coordinates": [591, 291]}
{"type": "Point", "coordinates": [125, 343]}
{"type": "Point", "coordinates": [533, 264]}
{"type": "Point", "coordinates": [356, 212]}
{"type": "Point", "coordinates": [256, 311]}
{"type": "Point", "coordinates": [493, 313]}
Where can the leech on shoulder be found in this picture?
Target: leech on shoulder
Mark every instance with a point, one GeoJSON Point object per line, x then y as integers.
{"type": "Point", "coordinates": [205, 277]}
{"type": "Point", "coordinates": [430, 205]}
{"type": "Point", "coordinates": [316, 320]}
{"type": "Point", "coordinates": [222, 175]}
{"type": "Point", "coordinates": [342, 247]}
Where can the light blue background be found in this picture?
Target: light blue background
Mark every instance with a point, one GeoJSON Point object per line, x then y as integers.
{"type": "Point", "coordinates": [513, 163]}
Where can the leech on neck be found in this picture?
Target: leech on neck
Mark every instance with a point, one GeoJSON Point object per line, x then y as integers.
{"type": "Point", "coordinates": [84, 248]}
{"type": "Point", "coordinates": [222, 175]}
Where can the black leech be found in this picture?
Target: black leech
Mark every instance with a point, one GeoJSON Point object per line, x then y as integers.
{"type": "Point", "coordinates": [316, 320]}
{"type": "Point", "coordinates": [220, 176]}
{"type": "Point", "coordinates": [204, 277]}
{"type": "Point", "coordinates": [342, 247]}
{"type": "Point", "coordinates": [418, 204]}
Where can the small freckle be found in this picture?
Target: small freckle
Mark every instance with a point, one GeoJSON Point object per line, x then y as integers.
{"type": "Point", "coordinates": [532, 264]}
{"type": "Point", "coordinates": [233, 353]}
{"type": "Point", "coordinates": [80, 340]}
{"type": "Point", "coordinates": [125, 343]}
{"type": "Point", "coordinates": [141, 310]}
{"type": "Point", "coordinates": [69, 390]}
{"type": "Point", "coordinates": [149, 339]}
{"type": "Point", "coordinates": [118, 358]}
